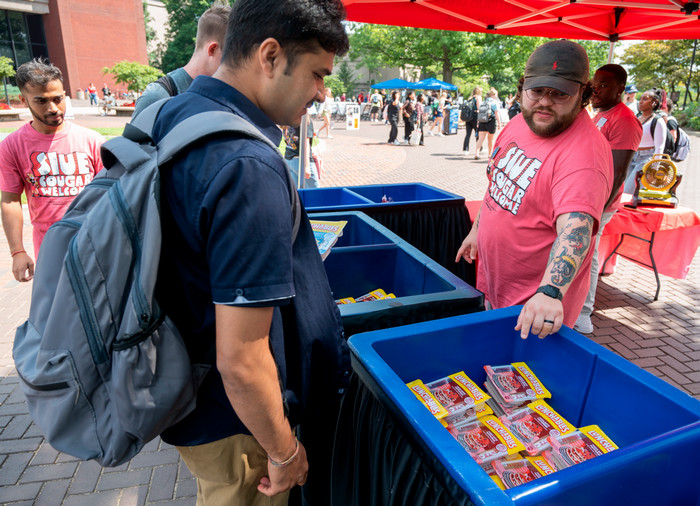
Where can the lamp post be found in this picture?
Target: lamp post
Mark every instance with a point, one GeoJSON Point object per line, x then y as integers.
{"type": "Point", "coordinates": [690, 74]}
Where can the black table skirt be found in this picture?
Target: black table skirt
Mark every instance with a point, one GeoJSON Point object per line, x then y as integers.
{"type": "Point", "coordinates": [377, 463]}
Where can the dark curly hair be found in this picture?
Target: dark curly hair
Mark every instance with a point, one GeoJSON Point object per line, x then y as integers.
{"type": "Point", "coordinates": [298, 25]}
{"type": "Point", "coordinates": [37, 72]}
{"type": "Point", "coordinates": [657, 95]}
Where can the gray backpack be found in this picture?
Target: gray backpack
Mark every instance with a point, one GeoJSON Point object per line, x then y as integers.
{"type": "Point", "coordinates": [104, 370]}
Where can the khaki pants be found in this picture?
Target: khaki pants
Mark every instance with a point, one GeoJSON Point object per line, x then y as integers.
{"type": "Point", "coordinates": [228, 472]}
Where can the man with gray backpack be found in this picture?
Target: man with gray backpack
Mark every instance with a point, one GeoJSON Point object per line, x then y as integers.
{"type": "Point", "coordinates": [237, 281]}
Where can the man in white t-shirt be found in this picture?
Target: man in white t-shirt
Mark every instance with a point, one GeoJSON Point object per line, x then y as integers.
{"type": "Point", "coordinates": [551, 173]}
{"type": "Point", "coordinates": [48, 159]}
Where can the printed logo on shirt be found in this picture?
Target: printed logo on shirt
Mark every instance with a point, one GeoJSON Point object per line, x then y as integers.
{"type": "Point", "coordinates": [602, 121]}
{"type": "Point", "coordinates": [511, 173]}
{"type": "Point", "coordinates": [59, 175]}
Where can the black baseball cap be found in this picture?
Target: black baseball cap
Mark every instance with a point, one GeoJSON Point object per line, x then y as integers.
{"type": "Point", "coordinates": [560, 64]}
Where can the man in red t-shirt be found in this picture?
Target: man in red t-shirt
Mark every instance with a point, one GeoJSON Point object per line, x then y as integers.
{"type": "Point", "coordinates": [550, 176]}
{"type": "Point", "coordinates": [48, 159]}
{"type": "Point", "coordinates": [622, 129]}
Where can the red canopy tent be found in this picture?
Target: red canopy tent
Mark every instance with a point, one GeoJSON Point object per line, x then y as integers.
{"type": "Point", "coordinates": [611, 20]}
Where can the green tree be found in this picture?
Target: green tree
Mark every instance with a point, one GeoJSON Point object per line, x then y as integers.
{"type": "Point", "coordinates": [182, 30]}
{"type": "Point", "coordinates": [135, 76]}
{"type": "Point", "coordinates": [7, 69]}
{"type": "Point", "coordinates": [153, 56]}
{"type": "Point", "coordinates": [335, 84]}
{"type": "Point", "coordinates": [462, 58]}
{"type": "Point", "coordinates": [661, 64]}
{"type": "Point", "coordinates": [346, 77]}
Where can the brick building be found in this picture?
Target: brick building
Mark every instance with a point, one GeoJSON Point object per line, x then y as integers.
{"type": "Point", "coordinates": [81, 37]}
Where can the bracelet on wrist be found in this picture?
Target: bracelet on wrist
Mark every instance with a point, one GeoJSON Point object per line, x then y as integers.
{"type": "Point", "coordinates": [17, 252]}
{"type": "Point", "coordinates": [289, 460]}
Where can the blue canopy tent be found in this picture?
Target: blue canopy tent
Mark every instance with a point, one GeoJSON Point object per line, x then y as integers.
{"type": "Point", "coordinates": [393, 84]}
{"type": "Point", "coordinates": [433, 84]}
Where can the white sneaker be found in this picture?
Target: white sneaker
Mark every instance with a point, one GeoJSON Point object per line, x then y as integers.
{"type": "Point", "coordinates": [583, 324]}
{"type": "Point", "coordinates": [396, 142]}
{"type": "Point", "coordinates": [440, 134]}
{"type": "Point", "coordinates": [430, 132]}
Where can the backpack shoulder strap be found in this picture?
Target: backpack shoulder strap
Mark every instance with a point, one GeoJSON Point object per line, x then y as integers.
{"type": "Point", "coordinates": [201, 125]}
{"type": "Point", "coordinates": [654, 120]}
{"type": "Point", "coordinates": [168, 83]}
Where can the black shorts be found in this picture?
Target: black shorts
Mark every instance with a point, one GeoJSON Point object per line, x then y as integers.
{"type": "Point", "coordinates": [374, 110]}
{"type": "Point", "coordinates": [489, 126]}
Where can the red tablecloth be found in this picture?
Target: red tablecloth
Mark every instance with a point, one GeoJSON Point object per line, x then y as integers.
{"type": "Point", "coordinates": [676, 239]}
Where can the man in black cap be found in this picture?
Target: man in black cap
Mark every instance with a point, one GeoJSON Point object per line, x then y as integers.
{"type": "Point", "coordinates": [551, 173]}
{"type": "Point", "coordinates": [630, 100]}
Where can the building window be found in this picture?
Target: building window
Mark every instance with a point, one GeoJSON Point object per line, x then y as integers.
{"type": "Point", "coordinates": [21, 37]}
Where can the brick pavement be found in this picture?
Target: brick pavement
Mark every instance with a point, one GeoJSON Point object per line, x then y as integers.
{"type": "Point", "coordinates": [663, 337]}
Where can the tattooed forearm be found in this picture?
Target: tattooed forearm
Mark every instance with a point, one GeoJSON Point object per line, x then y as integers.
{"type": "Point", "coordinates": [569, 249]}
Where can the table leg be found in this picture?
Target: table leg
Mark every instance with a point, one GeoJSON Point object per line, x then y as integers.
{"type": "Point", "coordinates": [651, 258]}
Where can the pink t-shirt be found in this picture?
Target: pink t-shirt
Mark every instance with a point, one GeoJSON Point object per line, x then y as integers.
{"type": "Point", "coordinates": [50, 169]}
{"type": "Point", "coordinates": [533, 181]}
{"type": "Point", "coordinates": [623, 131]}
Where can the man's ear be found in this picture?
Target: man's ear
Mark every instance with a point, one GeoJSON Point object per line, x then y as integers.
{"type": "Point", "coordinates": [270, 56]}
{"type": "Point", "coordinates": [22, 99]}
{"type": "Point", "coordinates": [212, 48]}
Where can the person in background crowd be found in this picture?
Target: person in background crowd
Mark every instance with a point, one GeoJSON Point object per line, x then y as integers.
{"type": "Point", "coordinates": [551, 173]}
{"type": "Point", "coordinates": [408, 111]}
{"type": "Point", "coordinates": [439, 106]}
{"type": "Point", "coordinates": [361, 97]}
{"type": "Point", "coordinates": [238, 279]}
{"type": "Point", "coordinates": [488, 128]}
{"type": "Point", "coordinates": [291, 156]}
{"type": "Point", "coordinates": [49, 159]}
{"type": "Point", "coordinates": [92, 94]}
{"type": "Point", "coordinates": [652, 142]}
{"type": "Point", "coordinates": [473, 103]}
{"type": "Point", "coordinates": [376, 100]}
{"type": "Point", "coordinates": [392, 113]}
{"type": "Point", "coordinates": [211, 32]}
{"type": "Point", "coordinates": [620, 127]}
{"type": "Point", "coordinates": [326, 110]}
{"type": "Point", "coordinates": [421, 116]}
{"type": "Point", "coordinates": [106, 91]}
{"type": "Point", "coordinates": [630, 98]}
{"type": "Point", "coordinates": [671, 122]}
{"type": "Point", "coordinates": [515, 107]}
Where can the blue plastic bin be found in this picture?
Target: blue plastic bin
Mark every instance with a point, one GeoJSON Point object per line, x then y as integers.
{"type": "Point", "coordinates": [431, 219]}
{"type": "Point", "coordinates": [656, 426]}
{"type": "Point", "coordinates": [369, 256]}
{"type": "Point", "coordinates": [370, 196]}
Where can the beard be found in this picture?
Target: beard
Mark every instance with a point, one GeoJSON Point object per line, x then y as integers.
{"type": "Point", "coordinates": [51, 120]}
{"type": "Point", "coordinates": [559, 122]}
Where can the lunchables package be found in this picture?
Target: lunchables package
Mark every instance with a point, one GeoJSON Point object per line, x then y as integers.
{"type": "Point", "coordinates": [534, 423]}
{"type": "Point", "coordinates": [457, 393]}
{"type": "Point", "coordinates": [584, 444]}
{"type": "Point", "coordinates": [515, 383]}
{"type": "Point", "coordinates": [469, 416]}
{"type": "Point", "coordinates": [423, 393]}
{"type": "Point", "coordinates": [516, 472]}
{"type": "Point", "coordinates": [346, 300]}
{"type": "Point", "coordinates": [377, 294]}
{"type": "Point", "coordinates": [486, 439]}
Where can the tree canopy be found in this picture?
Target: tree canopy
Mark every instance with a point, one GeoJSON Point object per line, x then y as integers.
{"type": "Point", "coordinates": [455, 57]}
{"type": "Point", "coordinates": [662, 64]}
{"type": "Point", "coordinates": [135, 76]}
{"type": "Point", "coordinates": [182, 30]}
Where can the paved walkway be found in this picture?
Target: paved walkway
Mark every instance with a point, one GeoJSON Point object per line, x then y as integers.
{"type": "Point", "coordinates": [663, 337]}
